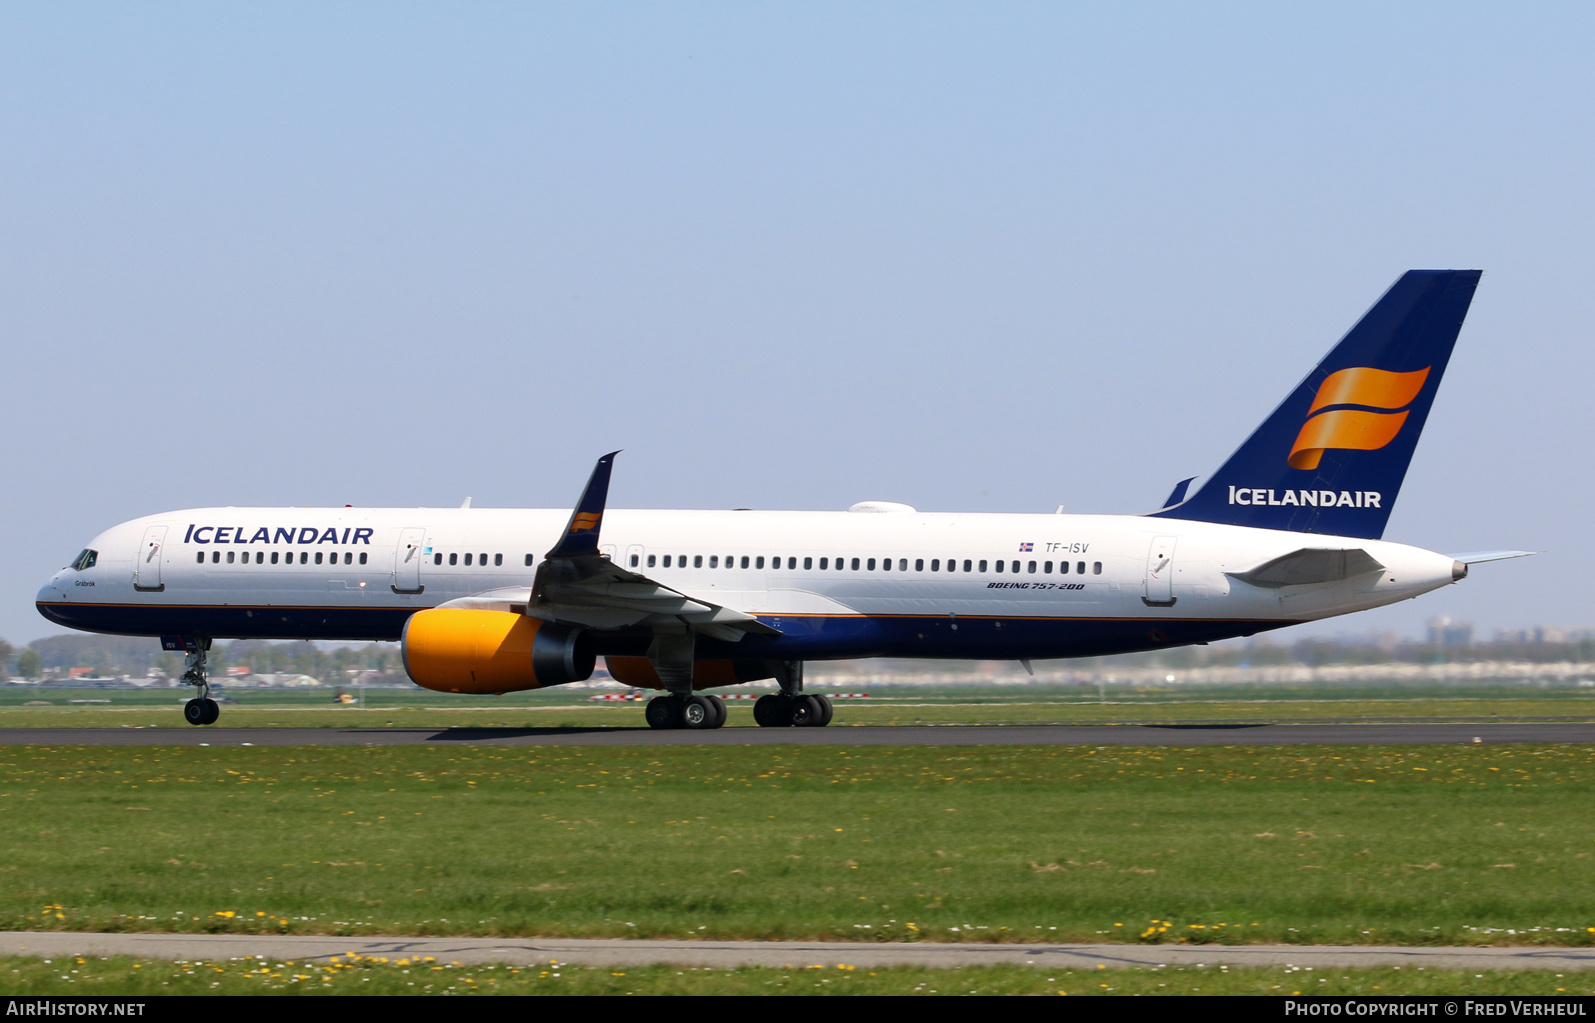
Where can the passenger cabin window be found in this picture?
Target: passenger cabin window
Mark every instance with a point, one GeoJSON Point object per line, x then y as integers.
{"type": "Point", "coordinates": [808, 563]}
{"type": "Point", "coordinates": [982, 566]}
{"type": "Point", "coordinates": [437, 559]}
{"type": "Point", "coordinates": [744, 561]}
{"type": "Point", "coordinates": [1080, 568]}
{"type": "Point", "coordinates": [967, 563]}
{"type": "Point", "coordinates": [1046, 569]}
{"type": "Point", "coordinates": [362, 557]}
{"type": "Point", "coordinates": [919, 564]}
{"type": "Point", "coordinates": [667, 561]}
{"type": "Point", "coordinates": [714, 561]}
{"type": "Point", "coordinates": [529, 561]}
{"type": "Point", "coordinates": [201, 557]}
{"type": "Point", "coordinates": [86, 559]}
{"type": "Point", "coordinates": [935, 564]}
{"type": "Point", "coordinates": [825, 563]}
{"type": "Point", "coordinates": [230, 557]}
{"type": "Point", "coordinates": [651, 561]}
{"type": "Point", "coordinates": [304, 557]}
{"type": "Point", "coordinates": [467, 560]}
{"type": "Point", "coordinates": [481, 559]}
{"type": "Point", "coordinates": [855, 564]}
{"type": "Point", "coordinates": [498, 560]}
{"type": "Point", "coordinates": [215, 557]}
{"type": "Point", "coordinates": [1096, 568]}
{"type": "Point", "coordinates": [1063, 568]}
{"type": "Point", "coordinates": [758, 562]}
{"type": "Point", "coordinates": [697, 561]}
{"type": "Point", "coordinates": [1031, 568]}
{"type": "Point", "coordinates": [634, 559]}
{"type": "Point", "coordinates": [454, 559]}
{"type": "Point", "coordinates": [348, 557]}
{"type": "Point", "coordinates": [318, 557]}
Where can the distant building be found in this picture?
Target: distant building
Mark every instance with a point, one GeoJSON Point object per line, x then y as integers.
{"type": "Point", "coordinates": [1445, 632]}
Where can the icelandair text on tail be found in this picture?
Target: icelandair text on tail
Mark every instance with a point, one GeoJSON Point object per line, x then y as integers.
{"type": "Point", "coordinates": [1307, 498]}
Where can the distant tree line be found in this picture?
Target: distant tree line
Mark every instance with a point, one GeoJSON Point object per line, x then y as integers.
{"type": "Point", "coordinates": [55, 656]}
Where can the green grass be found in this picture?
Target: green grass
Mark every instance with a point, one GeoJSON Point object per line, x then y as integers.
{"type": "Point", "coordinates": [80, 976]}
{"type": "Point", "coordinates": [1437, 845]}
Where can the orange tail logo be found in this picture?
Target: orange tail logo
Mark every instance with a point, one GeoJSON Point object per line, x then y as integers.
{"type": "Point", "coordinates": [1355, 429]}
{"type": "Point", "coordinates": [585, 521]}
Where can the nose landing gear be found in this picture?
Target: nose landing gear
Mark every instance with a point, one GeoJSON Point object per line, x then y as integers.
{"type": "Point", "coordinates": [202, 710]}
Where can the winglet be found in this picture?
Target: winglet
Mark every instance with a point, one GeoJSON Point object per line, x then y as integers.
{"type": "Point", "coordinates": [581, 532]}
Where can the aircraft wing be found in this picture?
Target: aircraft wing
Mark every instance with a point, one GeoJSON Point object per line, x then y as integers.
{"type": "Point", "coordinates": [577, 585]}
{"type": "Point", "coordinates": [1310, 565]}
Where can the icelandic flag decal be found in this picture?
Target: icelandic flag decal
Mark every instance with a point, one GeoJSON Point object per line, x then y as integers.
{"type": "Point", "coordinates": [1026, 548]}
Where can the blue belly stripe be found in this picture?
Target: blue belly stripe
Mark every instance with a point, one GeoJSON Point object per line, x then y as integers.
{"type": "Point", "coordinates": [803, 637]}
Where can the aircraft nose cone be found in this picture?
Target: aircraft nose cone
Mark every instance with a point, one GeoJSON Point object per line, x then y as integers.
{"type": "Point", "coordinates": [51, 590]}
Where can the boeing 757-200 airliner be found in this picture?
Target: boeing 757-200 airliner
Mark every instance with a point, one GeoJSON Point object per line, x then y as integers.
{"type": "Point", "coordinates": [1287, 531]}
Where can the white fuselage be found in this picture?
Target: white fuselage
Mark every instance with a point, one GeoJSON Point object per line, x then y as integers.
{"type": "Point", "coordinates": [836, 584]}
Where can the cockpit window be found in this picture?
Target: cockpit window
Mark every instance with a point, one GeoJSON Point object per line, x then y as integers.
{"type": "Point", "coordinates": [86, 559]}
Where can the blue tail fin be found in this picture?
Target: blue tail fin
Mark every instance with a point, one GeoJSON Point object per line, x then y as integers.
{"type": "Point", "coordinates": [1332, 457]}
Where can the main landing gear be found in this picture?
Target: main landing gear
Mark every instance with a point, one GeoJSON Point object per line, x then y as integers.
{"type": "Point", "coordinates": [202, 710]}
{"type": "Point", "coordinates": [778, 710]}
{"type": "Point", "coordinates": [676, 711]}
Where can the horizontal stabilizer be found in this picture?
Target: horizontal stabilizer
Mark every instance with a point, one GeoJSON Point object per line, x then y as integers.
{"type": "Point", "coordinates": [1310, 565]}
{"type": "Point", "coordinates": [1480, 557]}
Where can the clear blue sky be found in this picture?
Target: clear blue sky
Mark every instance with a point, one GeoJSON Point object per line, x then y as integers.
{"type": "Point", "coordinates": [970, 257]}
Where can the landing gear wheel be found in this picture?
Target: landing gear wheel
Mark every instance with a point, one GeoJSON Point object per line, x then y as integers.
{"type": "Point", "coordinates": [772, 711]}
{"type": "Point", "coordinates": [719, 706]}
{"type": "Point", "coordinates": [212, 711]}
{"type": "Point", "coordinates": [828, 711]}
{"type": "Point", "coordinates": [195, 712]}
{"type": "Point", "coordinates": [663, 712]}
{"type": "Point", "coordinates": [807, 711]}
{"type": "Point", "coordinates": [697, 712]}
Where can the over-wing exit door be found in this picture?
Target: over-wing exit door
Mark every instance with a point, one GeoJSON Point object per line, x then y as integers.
{"type": "Point", "coordinates": [407, 560]}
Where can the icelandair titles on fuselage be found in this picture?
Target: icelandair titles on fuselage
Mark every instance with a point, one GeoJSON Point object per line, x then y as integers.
{"type": "Point", "coordinates": [301, 535]}
{"type": "Point", "coordinates": [1311, 498]}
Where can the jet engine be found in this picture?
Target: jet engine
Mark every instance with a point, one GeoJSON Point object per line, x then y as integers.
{"type": "Point", "coordinates": [458, 650]}
{"type": "Point", "coordinates": [639, 672]}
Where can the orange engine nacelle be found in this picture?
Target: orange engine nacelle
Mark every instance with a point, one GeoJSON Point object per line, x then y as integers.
{"type": "Point", "coordinates": [455, 650]}
{"type": "Point", "coordinates": [639, 672]}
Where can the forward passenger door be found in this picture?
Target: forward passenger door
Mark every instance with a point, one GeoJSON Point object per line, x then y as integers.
{"type": "Point", "coordinates": [147, 568]}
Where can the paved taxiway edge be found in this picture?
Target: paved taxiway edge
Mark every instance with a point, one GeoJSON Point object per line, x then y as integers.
{"type": "Point", "coordinates": [1192, 734]}
{"type": "Point", "coordinates": [797, 954]}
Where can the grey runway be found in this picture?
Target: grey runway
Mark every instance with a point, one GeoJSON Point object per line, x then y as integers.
{"type": "Point", "coordinates": [1192, 734]}
{"type": "Point", "coordinates": [796, 954]}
